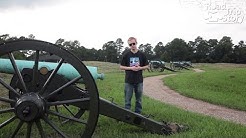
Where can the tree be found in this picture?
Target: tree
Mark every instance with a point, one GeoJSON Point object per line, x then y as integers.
{"type": "Point", "coordinates": [198, 51]}
{"type": "Point", "coordinates": [147, 50]}
{"type": "Point", "coordinates": [125, 50]}
{"type": "Point", "coordinates": [7, 37]}
{"type": "Point", "coordinates": [110, 52]}
{"type": "Point", "coordinates": [159, 51]}
{"type": "Point", "coordinates": [223, 51]}
{"type": "Point", "coordinates": [177, 50]}
{"type": "Point", "coordinates": [17, 54]}
{"type": "Point", "coordinates": [31, 36]}
{"type": "Point", "coordinates": [100, 55]}
{"type": "Point", "coordinates": [201, 50]}
{"type": "Point", "coordinates": [239, 52]}
{"type": "Point", "coordinates": [4, 38]}
{"type": "Point", "coordinates": [212, 44]}
{"type": "Point", "coordinates": [27, 53]}
{"type": "Point", "coordinates": [71, 45]}
{"type": "Point", "coordinates": [119, 44]}
{"type": "Point", "coordinates": [60, 42]}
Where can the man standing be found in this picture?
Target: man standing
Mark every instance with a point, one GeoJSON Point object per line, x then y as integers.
{"type": "Point", "coordinates": [133, 62]}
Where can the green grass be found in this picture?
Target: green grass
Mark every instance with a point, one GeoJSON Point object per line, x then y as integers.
{"type": "Point", "coordinates": [104, 67]}
{"type": "Point", "coordinates": [223, 86]}
{"type": "Point", "coordinates": [199, 125]}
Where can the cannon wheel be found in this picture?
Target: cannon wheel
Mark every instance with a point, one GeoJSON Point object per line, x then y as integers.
{"type": "Point", "coordinates": [32, 107]}
{"type": "Point", "coordinates": [159, 67]}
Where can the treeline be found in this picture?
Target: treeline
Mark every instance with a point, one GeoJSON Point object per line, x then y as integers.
{"type": "Point", "coordinates": [197, 51]}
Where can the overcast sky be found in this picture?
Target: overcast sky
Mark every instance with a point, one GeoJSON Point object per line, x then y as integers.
{"type": "Point", "coordinates": [95, 22]}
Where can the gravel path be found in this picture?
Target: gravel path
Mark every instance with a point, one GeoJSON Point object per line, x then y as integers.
{"type": "Point", "coordinates": [154, 88]}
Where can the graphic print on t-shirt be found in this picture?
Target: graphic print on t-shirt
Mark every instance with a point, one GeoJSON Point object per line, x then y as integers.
{"type": "Point", "coordinates": [134, 61]}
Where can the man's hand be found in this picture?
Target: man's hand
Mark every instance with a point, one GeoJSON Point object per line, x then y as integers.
{"type": "Point", "coordinates": [136, 68]}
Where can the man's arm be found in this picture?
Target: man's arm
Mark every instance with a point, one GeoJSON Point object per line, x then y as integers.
{"type": "Point", "coordinates": [134, 68]}
{"type": "Point", "coordinates": [145, 67]}
{"type": "Point", "coordinates": [125, 67]}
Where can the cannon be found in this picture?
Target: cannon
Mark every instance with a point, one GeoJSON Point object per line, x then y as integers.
{"type": "Point", "coordinates": [158, 65]}
{"type": "Point", "coordinates": [178, 66]}
{"type": "Point", "coordinates": [40, 99]}
{"type": "Point", "coordinates": [66, 69]}
{"type": "Point", "coordinates": [187, 64]}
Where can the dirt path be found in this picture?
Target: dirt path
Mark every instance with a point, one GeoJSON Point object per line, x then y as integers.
{"type": "Point", "coordinates": [154, 88]}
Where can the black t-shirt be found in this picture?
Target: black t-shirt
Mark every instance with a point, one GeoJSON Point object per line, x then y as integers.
{"type": "Point", "coordinates": [132, 59]}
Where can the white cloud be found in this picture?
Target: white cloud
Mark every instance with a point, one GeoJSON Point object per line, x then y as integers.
{"type": "Point", "coordinates": [11, 4]}
{"type": "Point", "coordinates": [95, 22]}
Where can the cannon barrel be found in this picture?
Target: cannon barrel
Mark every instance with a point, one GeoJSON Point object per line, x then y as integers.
{"type": "Point", "coordinates": [66, 69]}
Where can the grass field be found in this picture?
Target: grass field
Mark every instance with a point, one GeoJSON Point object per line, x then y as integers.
{"type": "Point", "coordinates": [200, 126]}
{"type": "Point", "coordinates": [222, 84]}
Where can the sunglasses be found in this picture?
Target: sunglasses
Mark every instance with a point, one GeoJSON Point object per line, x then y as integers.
{"type": "Point", "coordinates": [132, 44]}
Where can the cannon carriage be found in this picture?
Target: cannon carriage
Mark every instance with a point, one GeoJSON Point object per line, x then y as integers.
{"type": "Point", "coordinates": [179, 65]}
{"type": "Point", "coordinates": [41, 98]}
{"type": "Point", "coordinates": [158, 65]}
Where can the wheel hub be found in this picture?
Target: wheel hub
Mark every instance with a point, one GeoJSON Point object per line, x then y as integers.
{"type": "Point", "coordinates": [29, 107]}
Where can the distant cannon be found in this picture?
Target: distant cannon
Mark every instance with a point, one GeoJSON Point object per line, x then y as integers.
{"type": "Point", "coordinates": [187, 64]}
{"type": "Point", "coordinates": [178, 65]}
{"type": "Point", "coordinates": [41, 99]}
{"type": "Point", "coordinates": [158, 65]}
